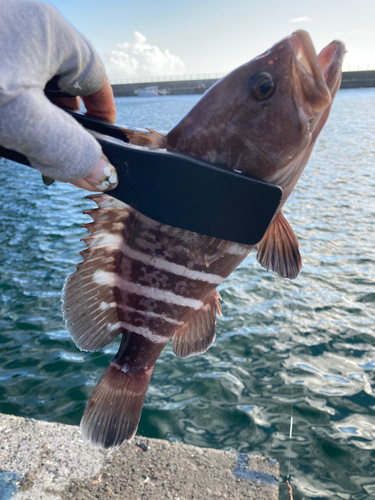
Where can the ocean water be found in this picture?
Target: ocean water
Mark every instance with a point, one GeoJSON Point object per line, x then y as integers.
{"type": "Point", "coordinates": [302, 348]}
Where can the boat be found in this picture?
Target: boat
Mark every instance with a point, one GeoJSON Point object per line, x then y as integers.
{"type": "Point", "coordinates": [147, 92]}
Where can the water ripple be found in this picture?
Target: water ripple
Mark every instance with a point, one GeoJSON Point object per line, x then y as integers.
{"type": "Point", "coordinates": [305, 347]}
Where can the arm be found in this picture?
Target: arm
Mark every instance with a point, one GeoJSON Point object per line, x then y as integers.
{"type": "Point", "coordinates": [37, 44]}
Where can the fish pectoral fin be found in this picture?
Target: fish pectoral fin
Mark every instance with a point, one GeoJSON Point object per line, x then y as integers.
{"type": "Point", "coordinates": [150, 139]}
{"type": "Point", "coordinates": [198, 334]}
{"type": "Point", "coordinates": [278, 250]}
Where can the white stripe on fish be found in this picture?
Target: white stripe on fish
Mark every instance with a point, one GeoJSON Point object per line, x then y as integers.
{"type": "Point", "coordinates": [171, 267]}
{"type": "Point", "coordinates": [139, 330]}
{"type": "Point", "coordinates": [149, 314]}
{"type": "Point", "coordinates": [106, 278]}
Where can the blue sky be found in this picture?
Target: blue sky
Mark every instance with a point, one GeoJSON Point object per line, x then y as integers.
{"type": "Point", "coordinates": [168, 37]}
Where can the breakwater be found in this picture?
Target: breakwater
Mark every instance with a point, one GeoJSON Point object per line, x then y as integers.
{"type": "Point", "coordinates": [358, 79]}
{"type": "Point", "coordinates": [350, 80]}
{"type": "Point", "coordinates": [49, 461]}
{"type": "Point", "coordinates": [180, 87]}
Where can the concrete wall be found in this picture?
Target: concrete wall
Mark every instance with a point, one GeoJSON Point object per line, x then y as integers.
{"type": "Point", "coordinates": [183, 87]}
{"type": "Point", "coordinates": [358, 79]}
{"type": "Point", "coordinates": [350, 80]}
{"type": "Point", "coordinates": [49, 461]}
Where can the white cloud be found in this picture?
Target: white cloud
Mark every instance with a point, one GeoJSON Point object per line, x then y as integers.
{"type": "Point", "coordinates": [302, 19]}
{"type": "Point", "coordinates": [138, 58]}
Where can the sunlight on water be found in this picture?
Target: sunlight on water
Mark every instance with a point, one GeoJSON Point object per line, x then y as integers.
{"type": "Point", "coordinates": [308, 344]}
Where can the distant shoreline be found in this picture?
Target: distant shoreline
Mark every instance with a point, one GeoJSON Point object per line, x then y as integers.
{"type": "Point", "coordinates": [350, 80]}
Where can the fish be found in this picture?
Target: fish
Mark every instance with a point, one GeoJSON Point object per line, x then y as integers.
{"type": "Point", "coordinates": [149, 281]}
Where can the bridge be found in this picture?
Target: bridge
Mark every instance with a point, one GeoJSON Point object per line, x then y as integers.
{"type": "Point", "coordinates": [198, 84]}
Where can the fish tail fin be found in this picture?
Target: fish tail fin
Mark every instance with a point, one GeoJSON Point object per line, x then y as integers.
{"type": "Point", "coordinates": [114, 409]}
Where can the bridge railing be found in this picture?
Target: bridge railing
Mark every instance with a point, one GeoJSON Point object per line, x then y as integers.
{"type": "Point", "coordinates": [358, 67]}
{"type": "Point", "coordinates": [211, 76]}
{"type": "Point", "coordinates": [167, 78]}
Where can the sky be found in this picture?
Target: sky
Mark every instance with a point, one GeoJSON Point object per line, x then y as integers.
{"type": "Point", "coordinates": [180, 37]}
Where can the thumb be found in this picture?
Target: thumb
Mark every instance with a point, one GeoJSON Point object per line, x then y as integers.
{"type": "Point", "coordinates": [54, 143]}
{"type": "Point", "coordinates": [102, 178]}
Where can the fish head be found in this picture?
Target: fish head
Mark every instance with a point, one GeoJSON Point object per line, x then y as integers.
{"type": "Point", "coordinates": [292, 99]}
{"type": "Point", "coordinates": [263, 118]}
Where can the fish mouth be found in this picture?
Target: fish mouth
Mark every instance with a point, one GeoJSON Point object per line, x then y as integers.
{"type": "Point", "coordinates": [330, 60]}
{"type": "Point", "coordinates": [318, 76]}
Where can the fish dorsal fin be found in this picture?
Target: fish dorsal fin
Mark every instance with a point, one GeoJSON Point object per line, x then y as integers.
{"type": "Point", "coordinates": [91, 300]}
{"type": "Point", "coordinates": [278, 251]}
{"type": "Point", "coordinates": [198, 334]}
{"type": "Point", "coordinates": [149, 139]}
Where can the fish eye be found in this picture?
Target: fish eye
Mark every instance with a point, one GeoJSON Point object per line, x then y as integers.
{"type": "Point", "coordinates": [261, 86]}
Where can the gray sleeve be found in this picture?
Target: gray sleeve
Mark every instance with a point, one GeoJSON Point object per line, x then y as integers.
{"type": "Point", "coordinates": [53, 141]}
{"type": "Point", "coordinates": [37, 43]}
{"type": "Point", "coordinates": [81, 70]}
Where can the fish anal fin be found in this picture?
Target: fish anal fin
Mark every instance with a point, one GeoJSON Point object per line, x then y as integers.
{"type": "Point", "coordinates": [114, 409]}
{"type": "Point", "coordinates": [198, 334]}
{"type": "Point", "coordinates": [150, 139]}
{"type": "Point", "coordinates": [278, 250]}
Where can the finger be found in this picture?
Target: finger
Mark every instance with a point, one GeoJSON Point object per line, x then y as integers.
{"type": "Point", "coordinates": [101, 103]}
{"type": "Point", "coordinates": [73, 103]}
{"type": "Point", "coordinates": [102, 178]}
{"type": "Point", "coordinates": [80, 69]}
{"type": "Point", "coordinates": [52, 140]}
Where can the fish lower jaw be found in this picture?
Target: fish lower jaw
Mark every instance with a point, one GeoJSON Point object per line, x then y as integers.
{"type": "Point", "coordinates": [331, 59]}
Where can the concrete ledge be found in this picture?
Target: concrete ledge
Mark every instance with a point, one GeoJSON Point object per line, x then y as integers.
{"type": "Point", "coordinates": [49, 461]}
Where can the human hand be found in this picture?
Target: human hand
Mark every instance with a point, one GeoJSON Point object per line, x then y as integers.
{"type": "Point", "coordinates": [37, 44]}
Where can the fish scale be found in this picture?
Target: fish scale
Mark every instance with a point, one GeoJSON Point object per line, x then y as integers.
{"type": "Point", "coordinates": [149, 281]}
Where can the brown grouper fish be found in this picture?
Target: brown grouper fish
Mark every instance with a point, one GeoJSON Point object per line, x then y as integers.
{"type": "Point", "coordinates": [149, 281]}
